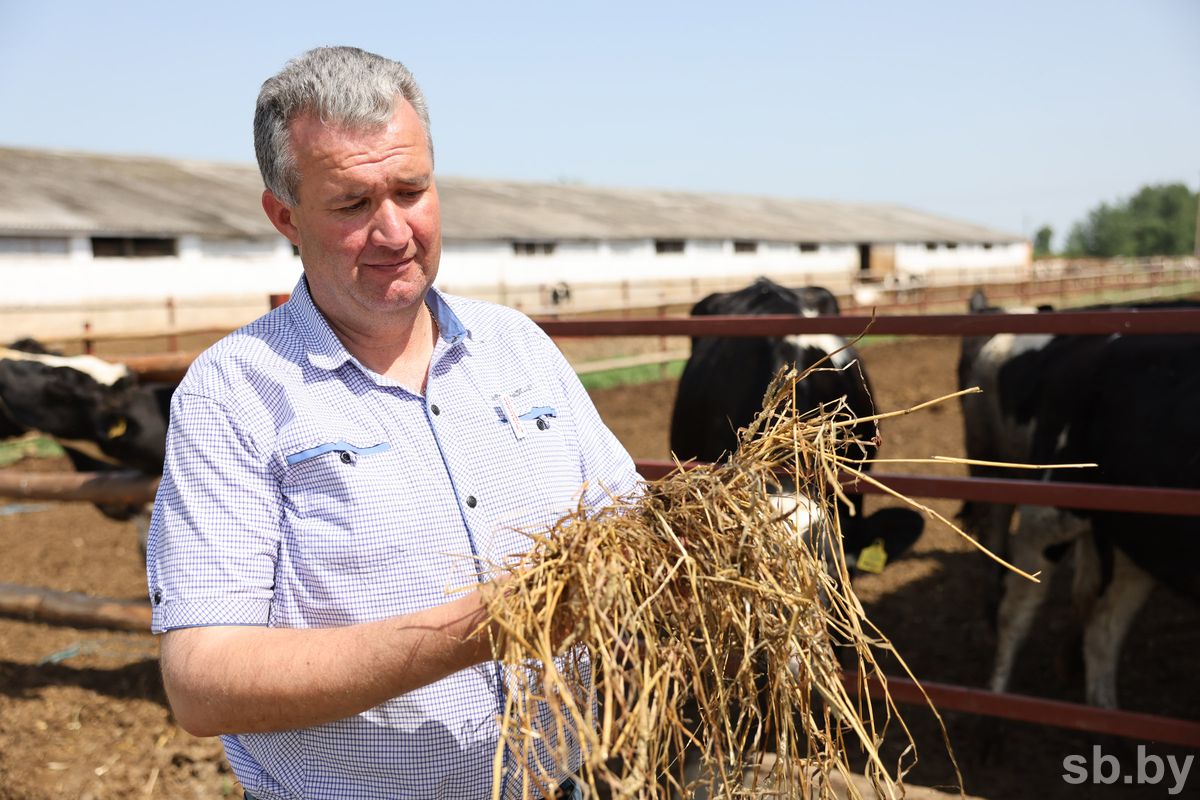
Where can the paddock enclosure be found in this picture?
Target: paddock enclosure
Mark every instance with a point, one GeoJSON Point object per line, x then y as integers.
{"type": "Point", "coordinates": [82, 712]}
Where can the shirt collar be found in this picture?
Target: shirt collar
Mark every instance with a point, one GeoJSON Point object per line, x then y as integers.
{"type": "Point", "coordinates": [325, 349]}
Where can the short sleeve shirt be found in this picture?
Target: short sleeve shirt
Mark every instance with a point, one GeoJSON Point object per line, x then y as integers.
{"type": "Point", "coordinates": [303, 490]}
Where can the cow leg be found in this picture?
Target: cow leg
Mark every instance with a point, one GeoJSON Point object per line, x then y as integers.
{"type": "Point", "coordinates": [1111, 615]}
{"type": "Point", "coordinates": [1040, 527]}
{"type": "Point", "coordinates": [1020, 603]}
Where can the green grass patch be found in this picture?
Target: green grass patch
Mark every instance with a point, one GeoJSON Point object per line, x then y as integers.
{"type": "Point", "coordinates": [40, 447]}
{"type": "Point", "coordinates": [624, 376]}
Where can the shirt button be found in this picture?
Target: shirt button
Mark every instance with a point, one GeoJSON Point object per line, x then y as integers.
{"type": "Point", "coordinates": [435, 409]}
{"type": "Point", "coordinates": [471, 501]}
{"type": "Point", "coordinates": [157, 596]}
{"type": "Point", "coordinates": [346, 458]}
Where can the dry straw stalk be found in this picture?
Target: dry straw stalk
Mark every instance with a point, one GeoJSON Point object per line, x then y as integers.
{"type": "Point", "coordinates": [699, 626]}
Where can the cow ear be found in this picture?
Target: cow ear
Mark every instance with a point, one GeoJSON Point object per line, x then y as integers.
{"type": "Point", "coordinates": [820, 298]}
{"type": "Point", "coordinates": [828, 303]}
{"type": "Point", "coordinates": [115, 426]}
{"type": "Point", "coordinates": [706, 306]}
{"type": "Point", "coordinates": [978, 302]}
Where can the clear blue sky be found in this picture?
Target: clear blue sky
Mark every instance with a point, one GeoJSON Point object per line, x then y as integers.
{"type": "Point", "coordinates": [1010, 114]}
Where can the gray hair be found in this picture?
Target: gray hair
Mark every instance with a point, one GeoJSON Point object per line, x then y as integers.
{"type": "Point", "coordinates": [344, 86]}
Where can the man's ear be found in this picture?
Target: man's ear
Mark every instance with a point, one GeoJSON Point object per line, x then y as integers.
{"type": "Point", "coordinates": [280, 216]}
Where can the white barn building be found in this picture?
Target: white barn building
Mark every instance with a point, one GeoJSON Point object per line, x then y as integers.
{"type": "Point", "coordinates": [122, 243]}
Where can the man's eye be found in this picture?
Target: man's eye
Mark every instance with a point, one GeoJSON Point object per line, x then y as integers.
{"type": "Point", "coordinates": [354, 206]}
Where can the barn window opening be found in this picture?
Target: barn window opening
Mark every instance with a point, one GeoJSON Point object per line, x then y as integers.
{"type": "Point", "coordinates": [295, 249]}
{"type": "Point", "coordinates": [664, 246]}
{"type": "Point", "coordinates": [931, 245]}
{"type": "Point", "coordinates": [951, 245]}
{"type": "Point", "coordinates": [745, 247]}
{"type": "Point", "coordinates": [34, 246]}
{"type": "Point", "coordinates": [807, 247]}
{"type": "Point", "coordinates": [133, 247]}
{"type": "Point", "coordinates": [987, 245]}
{"type": "Point", "coordinates": [533, 248]}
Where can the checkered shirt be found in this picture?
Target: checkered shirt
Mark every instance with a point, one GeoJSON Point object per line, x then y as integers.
{"type": "Point", "coordinates": [303, 490]}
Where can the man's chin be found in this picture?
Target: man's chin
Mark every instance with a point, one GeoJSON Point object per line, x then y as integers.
{"type": "Point", "coordinates": [394, 298]}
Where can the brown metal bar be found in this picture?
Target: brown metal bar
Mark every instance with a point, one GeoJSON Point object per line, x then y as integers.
{"type": "Point", "coordinates": [1127, 322]}
{"type": "Point", "coordinates": [170, 367]}
{"type": "Point", "coordinates": [1037, 710]}
{"type": "Point", "coordinates": [91, 487]}
{"type": "Point", "coordinates": [1100, 497]}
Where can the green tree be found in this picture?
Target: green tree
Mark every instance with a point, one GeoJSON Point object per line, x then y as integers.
{"type": "Point", "coordinates": [1041, 241]}
{"type": "Point", "coordinates": [1160, 220]}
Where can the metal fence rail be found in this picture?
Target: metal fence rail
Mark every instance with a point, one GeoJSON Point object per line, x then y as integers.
{"type": "Point", "coordinates": [1094, 496]}
{"type": "Point", "coordinates": [1038, 710]}
{"type": "Point", "coordinates": [1138, 499]}
{"type": "Point", "coordinates": [1146, 500]}
{"type": "Point", "coordinates": [1131, 322]}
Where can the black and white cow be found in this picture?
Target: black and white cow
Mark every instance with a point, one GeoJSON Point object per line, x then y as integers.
{"type": "Point", "coordinates": [1126, 403]}
{"type": "Point", "coordinates": [722, 387]}
{"type": "Point", "coordinates": [97, 410]}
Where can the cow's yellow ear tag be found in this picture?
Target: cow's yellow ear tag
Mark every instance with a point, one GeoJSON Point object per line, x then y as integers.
{"type": "Point", "coordinates": [873, 558]}
{"type": "Point", "coordinates": [118, 428]}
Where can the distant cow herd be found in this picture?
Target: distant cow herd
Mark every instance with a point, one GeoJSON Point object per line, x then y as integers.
{"type": "Point", "coordinates": [1128, 403]}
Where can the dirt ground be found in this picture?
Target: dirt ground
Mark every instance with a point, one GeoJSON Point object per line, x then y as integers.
{"type": "Point", "coordinates": [82, 712]}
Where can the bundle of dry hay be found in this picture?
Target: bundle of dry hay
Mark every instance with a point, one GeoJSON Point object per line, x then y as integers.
{"type": "Point", "coordinates": [698, 593]}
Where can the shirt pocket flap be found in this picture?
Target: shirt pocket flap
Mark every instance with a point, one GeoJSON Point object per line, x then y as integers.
{"type": "Point", "coordinates": [340, 446]}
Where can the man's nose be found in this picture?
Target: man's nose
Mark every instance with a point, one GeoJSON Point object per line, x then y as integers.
{"type": "Point", "coordinates": [389, 226]}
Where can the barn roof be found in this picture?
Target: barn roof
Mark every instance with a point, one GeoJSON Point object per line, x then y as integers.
{"type": "Point", "coordinates": [51, 192]}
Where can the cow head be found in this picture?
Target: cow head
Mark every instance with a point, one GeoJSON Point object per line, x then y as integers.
{"type": "Point", "coordinates": [723, 383]}
{"type": "Point", "coordinates": [130, 425]}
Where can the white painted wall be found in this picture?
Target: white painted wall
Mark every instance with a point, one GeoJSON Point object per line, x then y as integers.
{"type": "Point", "coordinates": [945, 263]}
{"type": "Point", "coordinates": [226, 283]}
{"type": "Point", "coordinates": [57, 281]}
{"type": "Point", "coordinates": [470, 264]}
{"type": "Point", "coordinates": [192, 247]}
{"type": "Point", "coordinates": [52, 298]}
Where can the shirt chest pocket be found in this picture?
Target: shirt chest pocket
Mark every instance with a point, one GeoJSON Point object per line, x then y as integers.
{"type": "Point", "coordinates": [334, 492]}
{"type": "Point", "coordinates": [538, 430]}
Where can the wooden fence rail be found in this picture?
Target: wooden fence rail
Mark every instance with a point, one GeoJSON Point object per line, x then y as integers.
{"type": "Point", "coordinates": [88, 487]}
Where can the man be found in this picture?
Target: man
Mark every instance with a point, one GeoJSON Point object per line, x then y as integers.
{"type": "Point", "coordinates": [336, 469]}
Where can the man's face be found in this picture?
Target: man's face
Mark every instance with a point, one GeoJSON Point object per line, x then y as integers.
{"type": "Point", "coordinates": [367, 218]}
